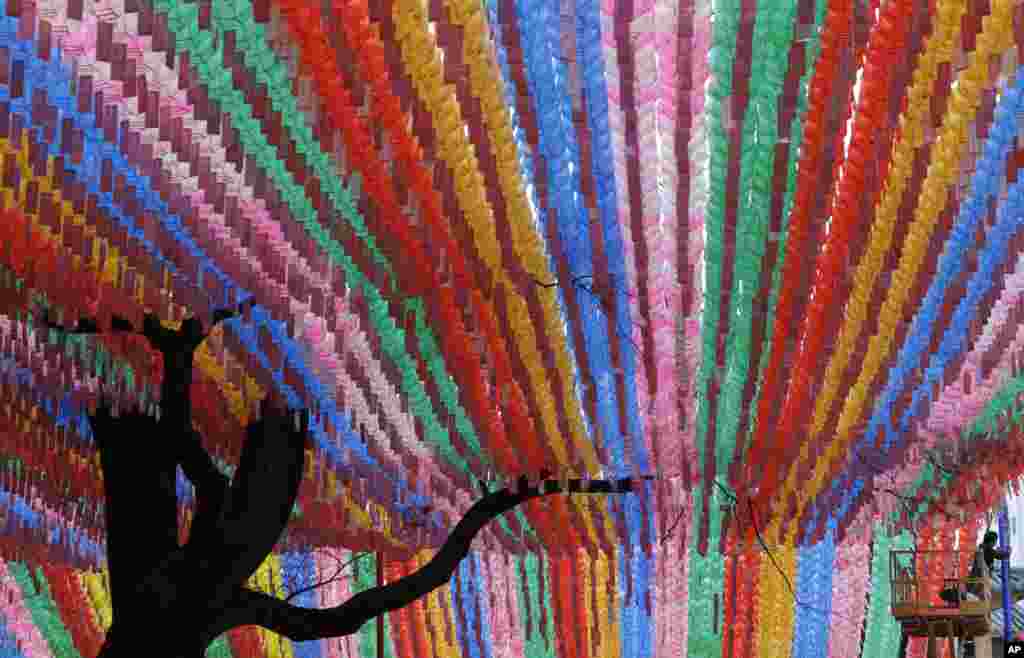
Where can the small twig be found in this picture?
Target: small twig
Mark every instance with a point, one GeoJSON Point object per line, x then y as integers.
{"type": "Point", "coordinates": [931, 458]}
{"type": "Point", "coordinates": [907, 503]}
{"type": "Point", "coordinates": [902, 497]}
{"type": "Point", "coordinates": [222, 314]}
{"type": "Point", "coordinates": [875, 469]}
{"type": "Point", "coordinates": [906, 499]}
{"type": "Point", "coordinates": [679, 518]}
{"type": "Point", "coordinates": [336, 574]}
{"type": "Point", "coordinates": [577, 281]}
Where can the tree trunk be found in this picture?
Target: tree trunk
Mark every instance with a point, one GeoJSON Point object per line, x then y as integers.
{"type": "Point", "coordinates": [172, 601]}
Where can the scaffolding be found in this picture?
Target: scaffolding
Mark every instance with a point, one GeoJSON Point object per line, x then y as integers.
{"type": "Point", "coordinates": [934, 596]}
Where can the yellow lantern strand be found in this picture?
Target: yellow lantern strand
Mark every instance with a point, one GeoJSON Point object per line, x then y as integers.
{"type": "Point", "coordinates": [419, 49]}
{"type": "Point", "coordinates": [996, 37]}
{"type": "Point", "coordinates": [775, 604]}
{"type": "Point", "coordinates": [418, 45]}
{"type": "Point", "coordinates": [93, 584]}
{"type": "Point", "coordinates": [938, 50]}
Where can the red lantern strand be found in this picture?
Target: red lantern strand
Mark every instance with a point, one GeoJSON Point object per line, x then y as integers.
{"type": "Point", "coordinates": [886, 40]}
{"type": "Point", "coordinates": [865, 24]}
{"type": "Point", "coordinates": [451, 35]}
{"type": "Point", "coordinates": [317, 53]}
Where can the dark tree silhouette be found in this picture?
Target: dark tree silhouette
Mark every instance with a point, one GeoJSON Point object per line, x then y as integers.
{"type": "Point", "coordinates": [197, 591]}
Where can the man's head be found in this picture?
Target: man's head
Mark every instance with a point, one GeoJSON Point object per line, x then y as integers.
{"type": "Point", "coordinates": [192, 327]}
{"type": "Point", "coordinates": [151, 323]}
{"type": "Point", "coordinates": [990, 538]}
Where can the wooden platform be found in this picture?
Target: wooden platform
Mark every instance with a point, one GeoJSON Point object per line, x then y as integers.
{"type": "Point", "coordinates": [941, 622]}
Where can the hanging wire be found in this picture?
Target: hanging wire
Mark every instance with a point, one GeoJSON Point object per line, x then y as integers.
{"type": "Point", "coordinates": [771, 555]}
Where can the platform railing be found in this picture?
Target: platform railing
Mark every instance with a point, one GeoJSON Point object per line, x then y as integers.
{"type": "Point", "coordinates": [918, 577]}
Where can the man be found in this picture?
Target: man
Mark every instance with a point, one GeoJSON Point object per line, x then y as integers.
{"type": "Point", "coordinates": [982, 566]}
{"type": "Point", "coordinates": [984, 561]}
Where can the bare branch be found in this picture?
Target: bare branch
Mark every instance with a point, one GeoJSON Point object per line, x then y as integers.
{"type": "Point", "coordinates": [334, 577]}
{"type": "Point", "coordinates": [668, 534]}
{"type": "Point", "coordinates": [85, 325]}
{"type": "Point", "coordinates": [82, 326]}
{"type": "Point", "coordinates": [222, 314]}
{"type": "Point", "coordinates": [246, 607]}
{"type": "Point", "coordinates": [259, 503]}
{"type": "Point", "coordinates": [578, 282]}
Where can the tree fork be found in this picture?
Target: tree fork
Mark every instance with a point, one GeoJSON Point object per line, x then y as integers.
{"type": "Point", "coordinates": [198, 590]}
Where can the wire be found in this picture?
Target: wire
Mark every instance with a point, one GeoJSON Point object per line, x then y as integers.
{"type": "Point", "coordinates": [578, 282]}
{"type": "Point", "coordinates": [907, 500]}
{"type": "Point", "coordinates": [775, 563]}
{"type": "Point", "coordinates": [679, 517]}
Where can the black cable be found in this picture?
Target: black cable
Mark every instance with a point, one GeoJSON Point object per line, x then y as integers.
{"type": "Point", "coordinates": [668, 533]}
{"type": "Point", "coordinates": [771, 556]}
{"type": "Point", "coordinates": [577, 282]}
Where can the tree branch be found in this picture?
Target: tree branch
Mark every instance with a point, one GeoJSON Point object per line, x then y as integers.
{"type": "Point", "coordinates": [86, 325]}
{"type": "Point", "coordinates": [222, 314]}
{"type": "Point", "coordinates": [230, 537]}
{"type": "Point", "coordinates": [159, 337]}
{"type": "Point", "coordinates": [211, 490]}
{"type": "Point", "coordinates": [82, 326]}
{"type": "Point", "coordinates": [246, 607]}
{"type": "Point", "coordinates": [259, 503]}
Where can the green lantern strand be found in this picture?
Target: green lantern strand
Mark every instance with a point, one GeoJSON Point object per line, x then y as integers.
{"type": "Point", "coordinates": [536, 643]}
{"type": "Point", "coordinates": [882, 631]}
{"type": "Point", "coordinates": [43, 610]}
{"type": "Point", "coordinates": [724, 23]}
{"type": "Point", "coordinates": [706, 580]}
{"type": "Point", "coordinates": [773, 39]}
{"type": "Point", "coordinates": [813, 50]}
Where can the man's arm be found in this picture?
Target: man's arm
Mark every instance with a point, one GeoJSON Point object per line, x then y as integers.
{"type": "Point", "coordinates": [222, 314]}
{"type": "Point", "coordinates": [117, 323]}
{"type": "Point", "coordinates": [161, 338]}
{"type": "Point", "coordinates": [82, 325]}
